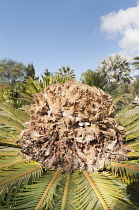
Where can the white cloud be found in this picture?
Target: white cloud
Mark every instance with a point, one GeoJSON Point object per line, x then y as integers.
{"type": "Point", "coordinates": [126, 24]}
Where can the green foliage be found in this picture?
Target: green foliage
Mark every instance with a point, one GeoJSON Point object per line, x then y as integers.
{"type": "Point", "coordinates": [47, 73]}
{"type": "Point", "coordinates": [3, 88]}
{"type": "Point", "coordinates": [4, 135]}
{"type": "Point", "coordinates": [85, 197]}
{"type": "Point", "coordinates": [11, 71]}
{"type": "Point", "coordinates": [135, 146]}
{"type": "Point", "coordinates": [97, 79]}
{"type": "Point", "coordinates": [113, 191]}
{"type": "Point", "coordinates": [30, 71]}
{"type": "Point", "coordinates": [122, 96]}
{"type": "Point", "coordinates": [11, 181]}
{"type": "Point", "coordinates": [136, 87]}
{"type": "Point", "coordinates": [11, 120]}
{"type": "Point", "coordinates": [66, 72]}
{"type": "Point", "coordinates": [129, 118]}
{"type": "Point", "coordinates": [129, 173]}
{"type": "Point", "coordinates": [17, 114]}
{"type": "Point", "coordinates": [49, 188]}
{"type": "Point", "coordinates": [28, 198]}
{"type": "Point", "coordinates": [33, 86]}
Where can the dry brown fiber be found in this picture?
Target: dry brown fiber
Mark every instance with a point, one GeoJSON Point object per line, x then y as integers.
{"type": "Point", "coordinates": [72, 127]}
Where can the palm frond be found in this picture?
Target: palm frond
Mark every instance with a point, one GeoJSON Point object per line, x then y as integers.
{"type": "Point", "coordinates": [132, 133]}
{"type": "Point", "coordinates": [25, 96]}
{"type": "Point", "coordinates": [17, 113]}
{"type": "Point", "coordinates": [135, 146]}
{"type": "Point", "coordinates": [85, 197]}
{"type": "Point", "coordinates": [8, 151]}
{"type": "Point", "coordinates": [11, 134]}
{"type": "Point", "coordinates": [7, 154]}
{"type": "Point", "coordinates": [11, 122]}
{"type": "Point", "coordinates": [65, 194]}
{"type": "Point", "coordinates": [12, 181]}
{"type": "Point", "coordinates": [46, 200]}
{"type": "Point", "coordinates": [40, 194]}
{"type": "Point", "coordinates": [133, 154]}
{"type": "Point", "coordinates": [96, 190]}
{"type": "Point", "coordinates": [7, 165]}
{"type": "Point", "coordinates": [113, 191]}
{"type": "Point", "coordinates": [129, 173]}
{"type": "Point", "coordinates": [129, 118]}
{"type": "Point", "coordinates": [9, 142]}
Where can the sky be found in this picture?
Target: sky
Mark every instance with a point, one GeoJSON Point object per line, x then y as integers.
{"type": "Point", "coordinates": [74, 33]}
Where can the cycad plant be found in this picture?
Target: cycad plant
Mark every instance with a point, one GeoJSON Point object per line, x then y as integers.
{"type": "Point", "coordinates": [33, 86]}
{"type": "Point", "coordinates": [25, 184]}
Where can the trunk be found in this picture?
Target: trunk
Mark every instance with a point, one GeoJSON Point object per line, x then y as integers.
{"type": "Point", "coordinates": [72, 127]}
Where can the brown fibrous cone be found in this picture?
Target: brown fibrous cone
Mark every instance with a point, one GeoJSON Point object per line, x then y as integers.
{"type": "Point", "coordinates": [72, 127]}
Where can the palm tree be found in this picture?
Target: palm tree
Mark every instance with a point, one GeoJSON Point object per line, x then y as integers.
{"type": "Point", "coordinates": [25, 184]}
{"type": "Point", "coordinates": [66, 72]}
{"type": "Point", "coordinates": [98, 79]}
{"type": "Point", "coordinates": [116, 67]}
{"type": "Point", "coordinates": [47, 73]}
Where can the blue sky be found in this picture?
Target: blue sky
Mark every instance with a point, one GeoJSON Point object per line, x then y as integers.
{"type": "Point", "coordinates": [77, 33]}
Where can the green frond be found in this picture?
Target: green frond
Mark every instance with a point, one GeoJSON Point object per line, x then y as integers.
{"type": "Point", "coordinates": [135, 146]}
{"type": "Point", "coordinates": [8, 159]}
{"type": "Point", "coordinates": [128, 116]}
{"type": "Point", "coordinates": [65, 200]}
{"type": "Point", "coordinates": [9, 142]}
{"type": "Point", "coordinates": [85, 198]}
{"type": "Point", "coordinates": [133, 133]}
{"type": "Point", "coordinates": [11, 134]}
{"type": "Point", "coordinates": [65, 194]}
{"type": "Point", "coordinates": [11, 122]}
{"type": "Point", "coordinates": [33, 85]}
{"type": "Point", "coordinates": [46, 200]}
{"type": "Point", "coordinates": [39, 195]}
{"type": "Point", "coordinates": [25, 96]}
{"type": "Point", "coordinates": [113, 191]}
{"type": "Point", "coordinates": [16, 161]}
{"type": "Point", "coordinates": [17, 113]}
{"type": "Point", "coordinates": [128, 173]}
{"type": "Point", "coordinates": [132, 125]}
{"type": "Point", "coordinates": [46, 81]}
{"type": "Point", "coordinates": [133, 154]}
{"type": "Point", "coordinates": [8, 151]}
{"type": "Point", "coordinates": [11, 181]}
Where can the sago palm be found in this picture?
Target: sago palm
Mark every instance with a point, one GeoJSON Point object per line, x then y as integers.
{"type": "Point", "coordinates": [25, 184]}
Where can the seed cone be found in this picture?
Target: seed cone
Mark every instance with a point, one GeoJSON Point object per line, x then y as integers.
{"type": "Point", "coordinates": [72, 127]}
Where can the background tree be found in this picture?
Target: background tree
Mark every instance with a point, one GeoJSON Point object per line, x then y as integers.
{"type": "Point", "coordinates": [116, 67]}
{"type": "Point", "coordinates": [11, 71]}
{"type": "Point", "coordinates": [30, 71]}
{"type": "Point", "coordinates": [47, 73]}
{"type": "Point", "coordinates": [98, 79]}
{"type": "Point", "coordinates": [66, 72]}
